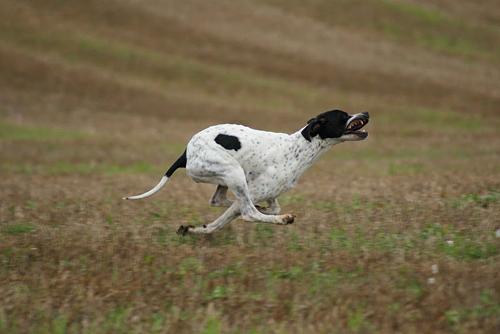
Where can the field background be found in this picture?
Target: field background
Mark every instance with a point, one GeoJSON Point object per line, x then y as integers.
{"type": "Point", "coordinates": [393, 234]}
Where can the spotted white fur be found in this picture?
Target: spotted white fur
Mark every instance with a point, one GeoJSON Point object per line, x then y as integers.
{"type": "Point", "coordinates": [266, 165]}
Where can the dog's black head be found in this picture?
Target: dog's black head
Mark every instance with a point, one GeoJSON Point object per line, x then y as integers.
{"type": "Point", "coordinates": [338, 125]}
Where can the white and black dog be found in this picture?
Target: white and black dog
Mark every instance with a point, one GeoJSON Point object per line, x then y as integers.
{"type": "Point", "coordinates": [258, 166]}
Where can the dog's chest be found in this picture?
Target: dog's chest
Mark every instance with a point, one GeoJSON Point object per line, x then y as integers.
{"type": "Point", "coordinates": [275, 170]}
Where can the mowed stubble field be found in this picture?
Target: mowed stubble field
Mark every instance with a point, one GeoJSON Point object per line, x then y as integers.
{"type": "Point", "coordinates": [393, 234]}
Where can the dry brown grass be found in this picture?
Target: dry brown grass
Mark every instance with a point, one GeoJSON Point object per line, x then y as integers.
{"type": "Point", "coordinates": [98, 98]}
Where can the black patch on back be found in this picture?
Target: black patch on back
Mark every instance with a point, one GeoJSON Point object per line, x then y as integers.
{"type": "Point", "coordinates": [228, 142]}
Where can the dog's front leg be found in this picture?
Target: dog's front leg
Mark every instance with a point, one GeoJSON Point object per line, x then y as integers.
{"type": "Point", "coordinates": [228, 216]}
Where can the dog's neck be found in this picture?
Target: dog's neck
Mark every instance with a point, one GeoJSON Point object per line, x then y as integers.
{"type": "Point", "coordinates": [306, 152]}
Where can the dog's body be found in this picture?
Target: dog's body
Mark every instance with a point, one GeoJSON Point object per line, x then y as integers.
{"type": "Point", "coordinates": [268, 161]}
{"type": "Point", "coordinates": [258, 165]}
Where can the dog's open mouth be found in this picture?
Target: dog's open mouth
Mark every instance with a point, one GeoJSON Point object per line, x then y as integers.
{"type": "Point", "coordinates": [355, 126]}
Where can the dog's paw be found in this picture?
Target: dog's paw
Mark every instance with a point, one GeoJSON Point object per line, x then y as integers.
{"type": "Point", "coordinates": [288, 219]}
{"type": "Point", "coordinates": [183, 230]}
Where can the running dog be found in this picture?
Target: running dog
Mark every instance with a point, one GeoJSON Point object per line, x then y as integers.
{"type": "Point", "coordinates": [258, 166]}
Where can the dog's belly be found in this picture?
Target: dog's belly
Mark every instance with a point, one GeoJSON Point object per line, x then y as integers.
{"type": "Point", "coordinates": [270, 184]}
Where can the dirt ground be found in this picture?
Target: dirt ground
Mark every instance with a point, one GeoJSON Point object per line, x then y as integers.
{"type": "Point", "coordinates": [396, 234]}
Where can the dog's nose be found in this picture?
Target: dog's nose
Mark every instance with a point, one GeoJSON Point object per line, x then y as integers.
{"type": "Point", "coordinates": [366, 114]}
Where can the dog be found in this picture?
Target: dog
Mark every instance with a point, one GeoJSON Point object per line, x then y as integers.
{"type": "Point", "coordinates": [258, 166]}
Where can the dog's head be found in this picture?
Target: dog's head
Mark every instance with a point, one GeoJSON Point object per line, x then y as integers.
{"type": "Point", "coordinates": [336, 124]}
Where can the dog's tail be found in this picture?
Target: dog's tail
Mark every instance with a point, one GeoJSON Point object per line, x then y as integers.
{"type": "Point", "coordinates": [180, 163]}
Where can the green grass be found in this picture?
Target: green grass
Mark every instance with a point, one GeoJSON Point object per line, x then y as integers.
{"type": "Point", "coordinates": [175, 72]}
{"type": "Point", "coordinates": [482, 200]}
{"type": "Point", "coordinates": [426, 16]}
{"type": "Point", "coordinates": [487, 307]}
{"type": "Point", "coordinates": [357, 321]}
{"type": "Point", "coordinates": [442, 120]}
{"type": "Point", "coordinates": [17, 132]}
{"type": "Point", "coordinates": [424, 25]}
{"type": "Point", "coordinates": [408, 168]}
{"type": "Point", "coordinates": [407, 23]}
{"type": "Point", "coordinates": [18, 228]}
{"type": "Point", "coordinates": [212, 326]}
{"type": "Point", "coordinates": [69, 168]}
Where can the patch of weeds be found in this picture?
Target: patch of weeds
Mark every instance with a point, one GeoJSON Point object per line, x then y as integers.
{"type": "Point", "coordinates": [108, 219]}
{"type": "Point", "coordinates": [16, 229]}
{"type": "Point", "coordinates": [293, 273]}
{"type": "Point", "coordinates": [340, 238]}
{"type": "Point", "coordinates": [212, 326]}
{"type": "Point", "coordinates": [322, 281]}
{"type": "Point", "coordinates": [356, 320]}
{"type": "Point", "coordinates": [190, 265]}
{"type": "Point", "coordinates": [60, 324]}
{"type": "Point", "coordinates": [415, 288]}
{"type": "Point", "coordinates": [219, 292]}
{"type": "Point", "coordinates": [187, 239]}
{"type": "Point", "coordinates": [227, 271]}
{"type": "Point", "coordinates": [158, 321]}
{"type": "Point", "coordinates": [407, 282]}
{"type": "Point", "coordinates": [453, 317]}
{"type": "Point", "coordinates": [225, 237]}
{"type": "Point", "coordinates": [395, 307]}
{"type": "Point", "coordinates": [31, 204]}
{"type": "Point", "coordinates": [161, 211]}
{"type": "Point", "coordinates": [464, 248]}
{"type": "Point", "coordinates": [148, 259]}
{"type": "Point", "coordinates": [294, 242]}
{"type": "Point", "coordinates": [384, 242]}
{"type": "Point", "coordinates": [482, 200]}
{"type": "Point", "coordinates": [487, 307]}
{"type": "Point", "coordinates": [116, 320]}
{"type": "Point", "coordinates": [356, 204]}
{"type": "Point", "coordinates": [433, 230]}
{"type": "Point", "coordinates": [264, 233]}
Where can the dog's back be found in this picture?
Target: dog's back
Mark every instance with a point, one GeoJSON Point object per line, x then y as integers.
{"type": "Point", "coordinates": [246, 145]}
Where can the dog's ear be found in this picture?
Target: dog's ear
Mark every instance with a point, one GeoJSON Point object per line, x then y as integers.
{"type": "Point", "coordinates": [313, 127]}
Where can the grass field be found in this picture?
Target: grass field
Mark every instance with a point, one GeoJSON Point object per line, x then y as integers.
{"type": "Point", "coordinates": [399, 233]}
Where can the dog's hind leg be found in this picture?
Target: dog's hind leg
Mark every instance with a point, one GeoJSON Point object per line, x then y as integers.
{"type": "Point", "coordinates": [219, 198]}
{"type": "Point", "coordinates": [236, 182]}
{"type": "Point", "coordinates": [228, 216]}
{"type": "Point", "coordinates": [272, 209]}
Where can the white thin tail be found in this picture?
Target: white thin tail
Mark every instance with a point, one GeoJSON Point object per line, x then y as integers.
{"type": "Point", "coordinates": [156, 188]}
